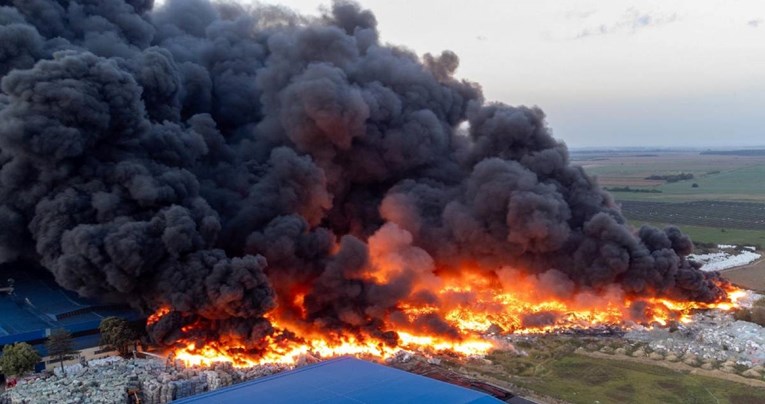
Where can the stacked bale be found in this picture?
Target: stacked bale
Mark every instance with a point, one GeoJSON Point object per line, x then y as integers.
{"type": "Point", "coordinates": [111, 380]}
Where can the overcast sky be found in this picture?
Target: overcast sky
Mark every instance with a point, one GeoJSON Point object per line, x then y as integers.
{"type": "Point", "coordinates": [607, 72]}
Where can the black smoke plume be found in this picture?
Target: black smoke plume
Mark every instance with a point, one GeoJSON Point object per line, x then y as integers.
{"type": "Point", "coordinates": [215, 158]}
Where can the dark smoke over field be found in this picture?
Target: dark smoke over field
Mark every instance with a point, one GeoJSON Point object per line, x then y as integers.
{"type": "Point", "coordinates": [218, 159]}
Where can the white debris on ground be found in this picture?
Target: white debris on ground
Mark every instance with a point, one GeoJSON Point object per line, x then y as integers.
{"type": "Point", "coordinates": [712, 336]}
{"type": "Point", "coordinates": [110, 380]}
{"type": "Point", "coordinates": [731, 257]}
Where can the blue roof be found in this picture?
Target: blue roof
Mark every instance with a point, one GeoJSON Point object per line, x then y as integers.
{"type": "Point", "coordinates": [78, 343]}
{"type": "Point", "coordinates": [344, 380]}
{"type": "Point", "coordinates": [39, 305]}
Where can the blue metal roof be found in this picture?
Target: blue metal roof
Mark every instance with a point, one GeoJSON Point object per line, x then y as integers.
{"type": "Point", "coordinates": [344, 380]}
{"type": "Point", "coordinates": [78, 343]}
{"type": "Point", "coordinates": [38, 305]}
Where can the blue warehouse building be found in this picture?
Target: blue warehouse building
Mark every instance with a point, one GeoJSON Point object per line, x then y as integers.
{"type": "Point", "coordinates": [345, 380]}
{"type": "Point", "coordinates": [32, 305]}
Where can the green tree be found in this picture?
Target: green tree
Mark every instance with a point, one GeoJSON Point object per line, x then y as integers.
{"type": "Point", "coordinates": [117, 333]}
{"type": "Point", "coordinates": [60, 345]}
{"type": "Point", "coordinates": [18, 359]}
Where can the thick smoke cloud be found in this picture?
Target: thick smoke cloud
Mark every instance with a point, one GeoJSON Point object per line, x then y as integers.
{"type": "Point", "coordinates": [219, 160]}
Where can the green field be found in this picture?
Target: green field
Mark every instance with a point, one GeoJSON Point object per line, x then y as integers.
{"type": "Point", "coordinates": [582, 379]}
{"type": "Point", "coordinates": [550, 368]}
{"type": "Point", "coordinates": [744, 184]}
{"type": "Point", "coordinates": [713, 234]}
{"type": "Point", "coordinates": [719, 178]}
{"type": "Point", "coordinates": [733, 178]}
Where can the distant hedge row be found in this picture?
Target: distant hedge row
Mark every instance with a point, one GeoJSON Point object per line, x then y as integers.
{"type": "Point", "coordinates": [671, 177]}
{"type": "Point", "coordinates": [628, 189]}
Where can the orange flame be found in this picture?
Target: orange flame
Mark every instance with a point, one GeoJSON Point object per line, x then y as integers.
{"type": "Point", "coordinates": [154, 317]}
{"type": "Point", "coordinates": [470, 304]}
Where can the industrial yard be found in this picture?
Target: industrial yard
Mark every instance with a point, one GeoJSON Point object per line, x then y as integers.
{"type": "Point", "coordinates": [236, 201]}
{"type": "Point", "coordinates": [118, 380]}
{"type": "Point", "coordinates": [713, 355]}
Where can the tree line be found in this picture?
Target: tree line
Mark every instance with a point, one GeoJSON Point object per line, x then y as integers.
{"type": "Point", "coordinates": [671, 177]}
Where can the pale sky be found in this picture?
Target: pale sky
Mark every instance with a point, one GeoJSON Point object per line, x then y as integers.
{"type": "Point", "coordinates": [606, 72]}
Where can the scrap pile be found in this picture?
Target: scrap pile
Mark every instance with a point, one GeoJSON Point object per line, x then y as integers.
{"type": "Point", "coordinates": [110, 380]}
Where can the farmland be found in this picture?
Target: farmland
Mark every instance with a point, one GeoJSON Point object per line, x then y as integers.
{"type": "Point", "coordinates": [712, 235]}
{"type": "Point", "coordinates": [717, 177]}
{"type": "Point", "coordinates": [723, 202]}
{"type": "Point", "coordinates": [718, 214]}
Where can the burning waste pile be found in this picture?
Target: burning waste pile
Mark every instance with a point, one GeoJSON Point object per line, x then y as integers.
{"type": "Point", "coordinates": [711, 338]}
{"type": "Point", "coordinates": [266, 185]}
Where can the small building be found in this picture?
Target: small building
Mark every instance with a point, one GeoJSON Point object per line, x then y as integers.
{"type": "Point", "coordinates": [32, 305]}
{"type": "Point", "coordinates": [343, 380]}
